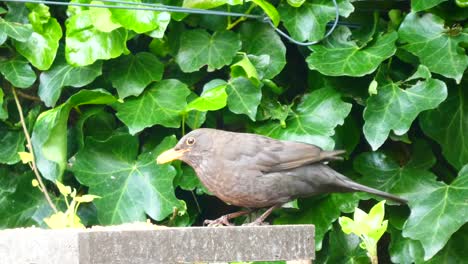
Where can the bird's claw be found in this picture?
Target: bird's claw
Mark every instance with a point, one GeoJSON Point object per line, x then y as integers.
{"type": "Point", "coordinates": [222, 221]}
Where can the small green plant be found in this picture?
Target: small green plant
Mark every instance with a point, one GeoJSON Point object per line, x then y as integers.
{"type": "Point", "coordinates": [69, 218]}
{"type": "Point", "coordinates": [369, 227]}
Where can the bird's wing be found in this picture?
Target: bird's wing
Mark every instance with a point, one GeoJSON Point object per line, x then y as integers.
{"type": "Point", "coordinates": [270, 155]}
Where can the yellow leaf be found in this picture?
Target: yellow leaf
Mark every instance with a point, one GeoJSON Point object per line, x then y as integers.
{"type": "Point", "coordinates": [64, 190]}
{"type": "Point", "coordinates": [86, 198]}
{"type": "Point", "coordinates": [25, 157]}
{"type": "Point", "coordinates": [56, 221]}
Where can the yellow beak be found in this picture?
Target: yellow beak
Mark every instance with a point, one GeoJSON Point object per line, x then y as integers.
{"type": "Point", "coordinates": [170, 155]}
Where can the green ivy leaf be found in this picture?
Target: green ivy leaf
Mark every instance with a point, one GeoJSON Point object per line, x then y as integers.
{"type": "Point", "coordinates": [163, 103]}
{"type": "Point", "coordinates": [49, 137]}
{"type": "Point", "coordinates": [129, 186]}
{"type": "Point", "coordinates": [342, 248]}
{"type": "Point", "coordinates": [244, 68]}
{"type": "Point", "coordinates": [405, 250]}
{"type": "Point", "coordinates": [94, 122]}
{"type": "Point", "coordinates": [448, 126]}
{"type": "Point", "coordinates": [140, 21]}
{"type": "Point", "coordinates": [309, 22]}
{"type": "Point", "coordinates": [41, 47]}
{"type": "Point", "coordinates": [132, 73]}
{"type": "Point", "coordinates": [341, 56]}
{"type": "Point", "coordinates": [3, 110]}
{"type": "Point", "coordinates": [428, 39]}
{"type": "Point", "coordinates": [17, 31]}
{"type": "Point", "coordinates": [204, 4]}
{"type": "Point", "coordinates": [213, 97]}
{"type": "Point", "coordinates": [22, 205]}
{"type": "Point", "coordinates": [395, 109]}
{"type": "Point", "coordinates": [437, 209]}
{"type": "Point", "coordinates": [313, 120]}
{"type": "Point", "coordinates": [269, 10]}
{"type": "Point", "coordinates": [443, 211]}
{"type": "Point", "coordinates": [62, 74]}
{"type": "Point", "coordinates": [199, 48]}
{"type": "Point", "coordinates": [243, 97]}
{"type": "Point", "coordinates": [455, 249]}
{"type": "Point", "coordinates": [419, 5]}
{"type": "Point", "coordinates": [295, 3]}
{"type": "Point", "coordinates": [86, 44]}
{"type": "Point", "coordinates": [12, 142]}
{"type": "Point", "coordinates": [18, 72]}
{"type": "Point", "coordinates": [261, 40]}
{"type": "Point", "coordinates": [322, 213]}
{"type": "Point", "coordinates": [102, 18]}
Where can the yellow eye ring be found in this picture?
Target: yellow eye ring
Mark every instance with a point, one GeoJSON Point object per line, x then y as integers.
{"type": "Point", "coordinates": [190, 141]}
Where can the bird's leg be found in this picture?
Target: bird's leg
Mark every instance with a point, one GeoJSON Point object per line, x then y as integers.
{"type": "Point", "coordinates": [261, 219]}
{"type": "Point", "coordinates": [224, 220]}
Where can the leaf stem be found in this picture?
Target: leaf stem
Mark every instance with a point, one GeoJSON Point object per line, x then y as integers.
{"type": "Point", "coordinates": [27, 96]}
{"type": "Point", "coordinates": [30, 148]}
{"type": "Point", "coordinates": [233, 24]}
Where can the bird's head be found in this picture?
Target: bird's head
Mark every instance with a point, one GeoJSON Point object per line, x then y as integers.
{"type": "Point", "coordinates": [191, 148]}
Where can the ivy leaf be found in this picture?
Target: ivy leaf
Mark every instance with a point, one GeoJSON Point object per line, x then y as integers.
{"type": "Point", "coordinates": [213, 97]}
{"type": "Point", "coordinates": [419, 5]}
{"type": "Point", "coordinates": [3, 110]}
{"type": "Point", "coordinates": [102, 18]}
{"type": "Point", "coordinates": [429, 40]}
{"type": "Point", "coordinates": [62, 74]}
{"type": "Point", "coordinates": [437, 209]}
{"type": "Point", "coordinates": [405, 250]}
{"type": "Point", "coordinates": [22, 205]}
{"type": "Point", "coordinates": [444, 209]}
{"type": "Point", "coordinates": [313, 120]}
{"type": "Point", "coordinates": [455, 249]}
{"type": "Point", "coordinates": [395, 109]}
{"type": "Point", "coordinates": [261, 40]}
{"type": "Point", "coordinates": [18, 72]}
{"type": "Point", "coordinates": [163, 103]}
{"type": "Point", "coordinates": [269, 10]}
{"type": "Point", "coordinates": [322, 213]}
{"type": "Point", "coordinates": [86, 44]}
{"type": "Point", "coordinates": [129, 186]}
{"type": "Point", "coordinates": [448, 126]}
{"type": "Point", "coordinates": [94, 122]}
{"type": "Point", "coordinates": [140, 21]}
{"type": "Point", "coordinates": [17, 31]}
{"type": "Point", "coordinates": [199, 48]}
{"type": "Point", "coordinates": [12, 142]}
{"type": "Point", "coordinates": [342, 248]}
{"type": "Point", "coordinates": [243, 97]}
{"type": "Point", "coordinates": [41, 47]}
{"type": "Point", "coordinates": [309, 22]}
{"type": "Point", "coordinates": [132, 73]}
{"type": "Point", "coordinates": [340, 56]}
{"type": "Point", "coordinates": [49, 137]}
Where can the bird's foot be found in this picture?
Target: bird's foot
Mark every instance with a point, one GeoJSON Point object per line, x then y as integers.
{"type": "Point", "coordinates": [222, 221]}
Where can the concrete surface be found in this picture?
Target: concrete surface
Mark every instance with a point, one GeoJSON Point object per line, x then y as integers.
{"type": "Point", "coordinates": [164, 245]}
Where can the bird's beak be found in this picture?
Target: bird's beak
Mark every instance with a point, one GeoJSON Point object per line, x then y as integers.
{"type": "Point", "coordinates": [170, 155]}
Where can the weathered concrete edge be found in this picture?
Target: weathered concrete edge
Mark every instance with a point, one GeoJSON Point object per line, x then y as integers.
{"type": "Point", "coordinates": [165, 245]}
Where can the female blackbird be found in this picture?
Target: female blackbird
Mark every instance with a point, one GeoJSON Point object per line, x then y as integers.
{"type": "Point", "coordinates": [255, 171]}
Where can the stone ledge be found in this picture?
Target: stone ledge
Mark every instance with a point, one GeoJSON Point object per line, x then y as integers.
{"type": "Point", "coordinates": [163, 245]}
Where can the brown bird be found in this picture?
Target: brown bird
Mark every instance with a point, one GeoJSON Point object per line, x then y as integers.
{"type": "Point", "coordinates": [255, 171]}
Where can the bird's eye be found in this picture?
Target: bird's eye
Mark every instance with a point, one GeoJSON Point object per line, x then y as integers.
{"type": "Point", "coordinates": [190, 141]}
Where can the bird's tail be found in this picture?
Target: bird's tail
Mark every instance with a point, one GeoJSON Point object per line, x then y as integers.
{"type": "Point", "coordinates": [359, 187]}
{"type": "Point", "coordinates": [332, 155]}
